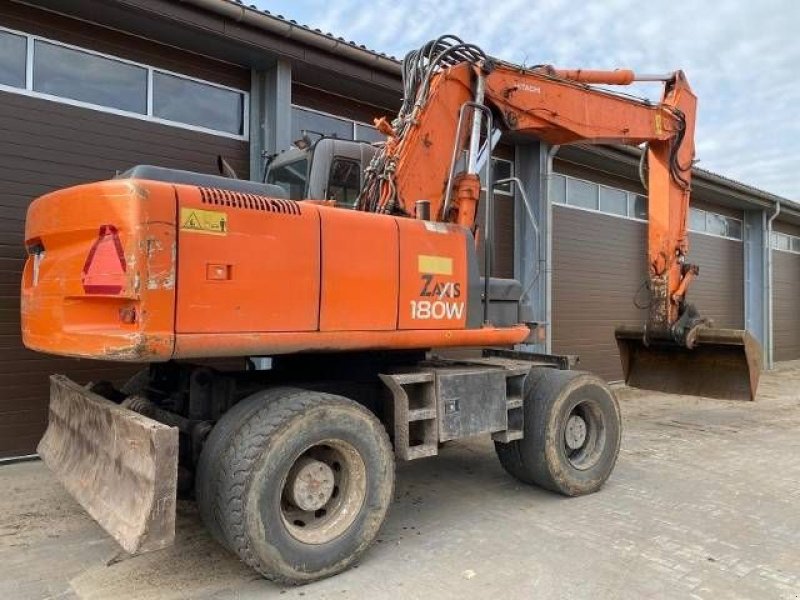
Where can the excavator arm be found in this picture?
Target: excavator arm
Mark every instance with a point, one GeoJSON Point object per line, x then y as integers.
{"type": "Point", "coordinates": [431, 154]}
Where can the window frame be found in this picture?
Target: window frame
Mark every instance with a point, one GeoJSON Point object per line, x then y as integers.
{"type": "Point", "coordinates": [630, 199]}
{"type": "Point", "coordinates": [707, 216]}
{"type": "Point", "coordinates": [335, 159]}
{"type": "Point", "coordinates": [511, 185]}
{"type": "Point", "coordinates": [25, 69]}
{"type": "Point", "coordinates": [788, 238]}
{"type": "Point", "coordinates": [352, 122]}
{"type": "Point", "coordinates": [149, 117]}
{"type": "Point", "coordinates": [306, 159]}
{"type": "Point", "coordinates": [631, 203]}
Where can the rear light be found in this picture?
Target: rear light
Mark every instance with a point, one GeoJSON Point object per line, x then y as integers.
{"type": "Point", "coordinates": [35, 249]}
{"type": "Point", "coordinates": [104, 269]}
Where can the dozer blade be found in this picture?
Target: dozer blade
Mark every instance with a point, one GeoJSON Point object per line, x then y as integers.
{"type": "Point", "coordinates": [119, 465]}
{"type": "Point", "coordinates": [724, 363]}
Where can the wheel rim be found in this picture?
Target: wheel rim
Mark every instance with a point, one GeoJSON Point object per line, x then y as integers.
{"type": "Point", "coordinates": [584, 435]}
{"type": "Point", "coordinates": [323, 492]}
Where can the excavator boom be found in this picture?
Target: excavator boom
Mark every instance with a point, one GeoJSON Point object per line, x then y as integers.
{"type": "Point", "coordinates": [560, 107]}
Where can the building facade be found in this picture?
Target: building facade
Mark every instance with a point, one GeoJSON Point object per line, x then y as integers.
{"type": "Point", "coordinates": [93, 87]}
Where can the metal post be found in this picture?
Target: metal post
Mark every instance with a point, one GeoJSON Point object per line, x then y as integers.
{"type": "Point", "coordinates": [270, 114]}
{"type": "Point", "coordinates": [533, 238]}
{"type": "Point", "coordinates": [756, 268]}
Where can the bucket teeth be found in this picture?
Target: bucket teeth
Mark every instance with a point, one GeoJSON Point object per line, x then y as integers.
{"type": "Point", "coordinates": [724, 363]}
{"type": "Point", "coordinates": [119, 465]}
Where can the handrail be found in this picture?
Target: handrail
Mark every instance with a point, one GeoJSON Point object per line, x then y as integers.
{"type": "Point", "coordinates": [489, 219]}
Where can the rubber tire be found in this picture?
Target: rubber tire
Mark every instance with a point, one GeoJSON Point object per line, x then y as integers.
{"type": "Point", "coordinates": [255, 462]}
{"type": "Point", "coordinates": [207, 474]}
{"type": "Point", "coordinates": [539, 457]}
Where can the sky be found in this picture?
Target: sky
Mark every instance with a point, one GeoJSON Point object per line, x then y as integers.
{"type": "Point", "coordinates": [742, 58]}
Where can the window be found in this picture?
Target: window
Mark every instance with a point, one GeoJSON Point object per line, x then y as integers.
{"type": "Point", "coordinates": [367, 133]}
{"type": "Point", "coordinates": [581, 193]}
{"type": "Point", "coordinates": [733, 228]}
{"type": "Point", "coordinates": [584, 194]}
{"type": "Point", "coordinates": [13, 51]}
{"type": "Point", "coordinates": [697, 219]}
{"type": "Point", "coordinates": [637, 206]}
{"type": "Point", "coordinates": [786, 242]}
{"type": "Point", "coordinates": [59, 72]}
{"type": "Point", "coordinates": [613, 201]}
{"type": "Point", "coordinates": [310, 122]}
{"type": "Point", "coordinates": [195, 103]}
{"type": "Point", "coordinates": [781, 241]}
{"type": "Point", "coordinates": [558, 189]}
{"type": "Point", "coordinates": [344, 182]}
{"type": "Point", "coordinates": [502, 169]}
{"type": "Point", "coordinates": [69, 73]}
{"type": "Point", "coordinates": [291, 177]}
{"type": "Point", "coordinates": [716, 224]}
{"type": "Point", "coordinates": [703, 221]}
{"type": "Point", "coordinates": [307, 121]}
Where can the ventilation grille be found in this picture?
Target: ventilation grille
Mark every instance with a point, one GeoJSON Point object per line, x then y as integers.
{"type": "Point", "coordinates": [248, 201]}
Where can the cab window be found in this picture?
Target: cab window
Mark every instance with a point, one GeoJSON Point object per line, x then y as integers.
{"type": "Point", "coordinates": [344, 182]}
{"type": "Point", "coordinates": [291, 177]}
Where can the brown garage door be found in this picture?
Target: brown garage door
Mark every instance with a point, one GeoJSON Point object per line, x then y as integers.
{"type": "Point", "coordinates": [46, 145]}
{"type": "Point", "coordinates": [786, 315]}
{"type": "Point", "coordinates": [599, 266]}
{"type": "Point", "coordinates": [719, 290]}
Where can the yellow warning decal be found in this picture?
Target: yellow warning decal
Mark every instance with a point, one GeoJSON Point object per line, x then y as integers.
{"type": "Point", "coordinates": [435, 265]}
{"type": "Point", "coordinates": [204, 221]}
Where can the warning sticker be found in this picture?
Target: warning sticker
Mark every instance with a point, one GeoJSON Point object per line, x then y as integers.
{"type": "Point", "coordinates": [204, 221]}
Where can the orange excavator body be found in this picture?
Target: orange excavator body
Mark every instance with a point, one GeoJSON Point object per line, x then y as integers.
{"type": "Point", "coordinates": [151, 271]}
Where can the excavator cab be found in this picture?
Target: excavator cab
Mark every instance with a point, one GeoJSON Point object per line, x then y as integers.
{"type": "Point", "coordinates": [326, 169]}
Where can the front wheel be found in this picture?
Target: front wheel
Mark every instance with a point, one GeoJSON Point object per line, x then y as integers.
{"type": "Point", "coordinates": [572, 433]}
{"type": "Point", "coordinates": [304, 485]}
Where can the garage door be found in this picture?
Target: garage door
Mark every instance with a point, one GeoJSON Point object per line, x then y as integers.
{"type": "Point", "coordinates": [599, 268]}
{"type": "Point", "coordinates": [786, 291]}
{"type": "Point", "coordinates": [47, 145]}
{"type": "Point", "coordinates": [719, 290]}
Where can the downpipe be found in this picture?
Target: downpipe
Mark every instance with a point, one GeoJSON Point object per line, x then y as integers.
{"type": "Point", "coordinates": [769, 329]}
{"type": "Point", "coordinates": [546, 257]}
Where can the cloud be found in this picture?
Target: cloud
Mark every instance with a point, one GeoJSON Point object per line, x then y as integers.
{"type": "Point", "coordinates": [741, 58]}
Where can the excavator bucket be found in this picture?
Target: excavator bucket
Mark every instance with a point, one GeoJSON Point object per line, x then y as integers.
{"type": "Point", "coordinates": [122, 467]}
{"type": "Point", "coordinates": [724, 363]}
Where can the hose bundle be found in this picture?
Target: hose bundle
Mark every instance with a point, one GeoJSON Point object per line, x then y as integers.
{"type": "Point", "coordinates": [379, 192]}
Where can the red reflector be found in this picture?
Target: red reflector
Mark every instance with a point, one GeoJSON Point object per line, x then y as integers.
{"type": "Point", "coordinates": [104, 269]}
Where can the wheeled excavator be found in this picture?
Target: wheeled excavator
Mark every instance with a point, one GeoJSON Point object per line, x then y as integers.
{"type": "Point", "coordinates": [340, 312]}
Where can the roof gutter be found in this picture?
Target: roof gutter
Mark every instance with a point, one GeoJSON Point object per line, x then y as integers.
{"type": "Point", "coordinates": [744, 192]}
{"type": "Point", "coordinates": [255, 18]}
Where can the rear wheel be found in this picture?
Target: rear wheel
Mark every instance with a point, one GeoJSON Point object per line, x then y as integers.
{"type": "Point", "coordinates": [303, 485]}
{"type": "Point", "coordinates": [572, 433]}
{"type": "Point", "coordinates": [208, 473]}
